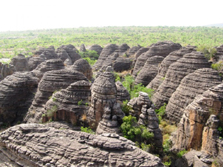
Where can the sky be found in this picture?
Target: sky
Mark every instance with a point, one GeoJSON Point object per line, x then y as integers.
{"type": "Point", "coordinates": [17, 15]}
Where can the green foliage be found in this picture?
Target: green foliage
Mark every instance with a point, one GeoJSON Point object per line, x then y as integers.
{"type": "Point", "coordinates": [181, 153]}
{"type": "Point", "coordinates": [79, 102]}
{"type": "Point", "coordinates": [168, 163]}
{"type": "Point", "coordinates": [117, 77]}
{"type": "Point", "coordinates": [125, 107]}
{"type": "Point", "coordinates": [92, 54]}
{"type": "Point", "coordinates": [208, 51]}
{"type": "Point", "coordinates": [51, 111]}
{"type": "Point", "coordinates": [217, 66]}
{"type": "Point", "coordinates": [161, 112]}
{"type": "Point", "coordinates": [91, 62]}
{"type": "Point", "coordinates": [87, 130]}
{"type": "Point", "coordinates": [166, 146]}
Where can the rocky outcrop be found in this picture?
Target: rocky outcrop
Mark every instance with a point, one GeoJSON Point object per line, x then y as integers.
{"type": "Point", "coordinates": [84, 67]}
{"type": "Point", "coordinates": [122, 92]}
{"type": "Point", "coordinates": [62, 54]}
{"type": "Point", "coordinates": [16, 95]}
{"type": "Point", "coordinates": [20, 63]}
{"type": "Point", "coordinates": [192, 85]}
{"type": "Point", "coordinates": [96, 48]}
{"type": "Point", "coordinates": [122, 49]}
{"type": "Point", "coordinates": [71, 51]}
{"type": "Point", "coordinates": [176, 72]}
{"type": "Point", "coordinates": [167, 61]}
{"type": "Point", "coordinates": [157, 49]}
{"type": "Point", "coordinates": [41, 145]}
{"type": "Point", "coordinates": [103, 95]}
{"type": "Point", "coordinates": [133, 50]}
{"type": "Point", "coordinates": [48, 65]}
{"type": "Point", "coordinates": [69, 104]}
{"type": "Point", "coordinates": [109, 61]}
{"type": "Point", "coordinates": [149, 70]}
{"type": "Point", "coordinates": [219, 54]}
{"type": "Point", "coordinates": [106, 52]}
{"type": "Point", "coordinates": [50, 82]}
{"type": "Point", "coordinates": [82, 48]}
{"type": "Point", "coordinates": [138, 53]}
{"type": "Point", "coordinates": [6, 69]}
{"type": "Point", "coordinates": [122, 64]}
{"type": "Point", "coordinates": [34, 61]}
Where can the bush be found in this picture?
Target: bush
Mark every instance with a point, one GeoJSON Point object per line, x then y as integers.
{"type": "Point", "coordinates": [217, 66]}
{"type": "Point", "coordinates": [181, 153]}
{"type": "Point", "coordinates": [87, 130]}
{"type": "Point", "coordinates": [91, 62]}
{"type": "Point", "coordinates": [92, 54]}
{"type": "Point", "coordinates": [208, 51]}
{"type": "Point", "coordinates": [125, 107]}
{"type": "Point", "coordinates": [161, 112]}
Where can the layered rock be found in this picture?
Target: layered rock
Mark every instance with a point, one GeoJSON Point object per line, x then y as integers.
{"type": "Point", "coordinates": [20, 63]}
{"type": "Point", "coordinates": [71, 51]}
{"type": "Point", "coordinates": [6, 69]}
{"type": "Point", "coordinates": [109, 61]}
{"type": "Point", "coordinates": [138, 53]}
{"type": "Point", "coordinates": [84, 67]}
{"type": "Point", "coordinates": [69, 104]}
{"type": "Point", "coordinates": [167, 61]}
{"type": "Point", "coordinates": [34, 61]}
{"type": "Point", "coordinates": [192, 85]}
{"type": "Point", "coordinates": [103, 94]}
{"type": "Point", "coordinates": [62, 54]}
{"type": "Point", "coordinates": [196, 130]}
{"type": "Point", "coordinates": [82, 48]}
{"type": "Point", "coordinates": [96, 48]}
{"type": "Point", "coordinates": [122, 64]}
{"type": "Point", "coordinates": [149, 70]}
{"type": "Point", "coordinates": [133, 50]}
{"type": "Point", "coordinates": [106, 52]}
{"type": "Point", "coordinates": [122, 49]}
{"type": "Point", "coordinates": [50, 82]}
{"type": "Point", "coordinates": [157, 49]}
{"type": "Point", "coordinates": [16, 95]}
{"type": "Point", "coordinates": [48, 65]}
{"type": "Point", "coordinates": [219, 54]}
{"type": "Point", "coordinates": [176, 72]}
{"type": "Point", "coordinates": [41, 145]}
{"type": "Point", "coordinates": [122, 92]}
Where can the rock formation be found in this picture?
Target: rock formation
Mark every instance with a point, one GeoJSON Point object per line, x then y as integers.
{"type": "Point", "coordinates": [219, 54]}
{"type": "Point", "coordinates": [103, 95]}
{"type": "Point", "coordinates": [34, 62]}
{"type": "Point", "coordinates": [167, 61]}
{"type": "Point", "coordinates": [69, 104]}
{"type": "Point", "coordinates": [41, 145]}
{"type": "Point", "coordinates": [122, 92]}
{"type": "Point", "coordinates": [122, 64]}
{"type": "Point", "coordinates": [192, 85]}
{"type": "Point", "coordinates": [71, 51]}
{"type": "Point", "coordinates": [20, 63]}
{"type": "Point", "coordinates": [16, 95]}
{"type": "Point", "coordinates": [157, 49]}
{"type": "Point", "coordinates": [138, 53]}
{"type": "Point", "coordinates": [176, 72]}
{"type": "Point", "coordinates": [122, 49]}
{"type": "Point", "coordinates": [84, 67]}
{"type": "Point", "coordinates": [50, 82]}
{"type": "Point", "coordinates": [48, 65]}
{"type": "Point", "coordinates": [82, 48]}
{"type": "Point", "coordinates": [149, 70]}
{"type": "Point", "coordinates": [133, 50]}
{"type": "Point", "coordinates": [6, 69]}
{"type": "Point", "coordinates": [62, 54]}
{"type": "Point", "coordinates": [96, 48]}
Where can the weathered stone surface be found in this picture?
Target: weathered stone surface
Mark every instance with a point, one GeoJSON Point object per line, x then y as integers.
{"type": "Point", "coordinates": [84, 67]}
{"type": "Point", "coordinates": [6, 69]}
{"type": "Point", "coordinates": [176, 72]}
{"type": "Point", "coordinates": [122, 92]}
{"type": "Point", "coordinates": [192, 85]}
{"type": "Point", "coordinates": [133, 50]}
{"type": "Point", "coordinates": [219, 54]}
{"type": "Point", "coordinates": [109, 61]}
{"type": "Point", "coordinates": [167, 61]}
{"type": "Point", "coordinates": [138, 53]}
{"type": "Point", "coordinates": [122, 64]}
{"type": "Point", "coordinates": [106, 52]}
{"type": "Point", "coordinates": [34, 62]}
{"type": "Point", "coordinates": [122, 49]}
{"type": "Point", "coordinates": [16, 95]}
{"type": "Point", "coordinates": [50, 82]}
{"type": "Point", "coordinates": [48, 65]}
{"type": "Point", "coordinates": [41, 145]}
{"type": "Point", "coordinates": [149, 70]}
{"type": "Point", "coordinates": [20, 63]}
{"type": "Point", "coordinates": [192, 132]}
{"type": "Point", "coordinates": [71, 51]}
{"type": "Point", "coordinates": [62, 54]}
{"type": "Point", "coordinates": [82, 48]}
{"type": "Point", "coordinates": [157, 49]}
{"type": "Point", "coordinates": [96, 48]}
{"type": "Point", "coordinates": [69, 104]}
{"type": "Point", "coordinates": [50, 49]}
{"type": "Point", "coordinates": [103, 94]}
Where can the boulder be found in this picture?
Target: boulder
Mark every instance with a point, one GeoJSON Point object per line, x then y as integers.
{"type": "Point", "coordinates": [20, 63]}
{"type": "Point", "coordinates": [96, 48]}
{"type": "Point", "coordinates": [109, 61]}
{"type": "Point", "coordinates": [167, 61]}
{"type": "Point", "coordinates": [149, 70]}
{"type": "Point", "coordinates": [122, 92]}
{"type": "Point", "coordinates": [192, 85]}
{"type": "Point", "coordinates": [62, 54]}
{"type": "Point", "coordinates": [71, 51]}
{"type": "Point", "coordinates": [122, 64]}
{"type": "Point", "coordinates": [82, 48]}
{"type": "Point", "coordinates": [50, 82]}
{"type": "Point", "coordinates": [133, 50]}
{"type": "Point", "coordinates": [40, 145]}
{"type": "Point", "coordinates": [34, 61]}
{"type": "Point", "coordinates": [122, 49]}
{"type": "Point", "coordinates": [84, 67]}
{"type": "Point", "coordinates": [16, 95]}
{"type": "Point", "coordinates": [176, 72]}
{"type": "Point", "coordinates": [6, 69]}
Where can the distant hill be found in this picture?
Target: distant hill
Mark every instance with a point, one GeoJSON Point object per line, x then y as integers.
{"type": "Point", "coordinates": [215, 25]}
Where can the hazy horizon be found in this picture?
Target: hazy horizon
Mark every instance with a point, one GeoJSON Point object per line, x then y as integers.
{"type": "Point", "coordinates": [35, 15]}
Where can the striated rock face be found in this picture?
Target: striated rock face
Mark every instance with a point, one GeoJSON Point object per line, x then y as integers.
{"type": "Point", "coordinates": [157, 49]}
{"type": "Point", "coordinates": [122, 64]}
{"type": "Point", "coordinates": [34, 62]}
{"type": "Point", "coordinates": [48, 65]}
{"type": "Point", "coordinates": [167, 61]}
{"type": "Point", "coordinates": [20, 63]}
{"type": "Point", "coordinates": [149, 70]}
{"type": "Point", "coordinates": [41, 145]}
{"type": "Point", "coordinates": [108, 50]}
{"type": "Point", "coordinates": [196, 130]}
{"type": "Point", "coordinates": [133, 50]}
{"type": "Point", "coordinates": [84, 67]}
{"type": "Point", "coordinates": [96, 48]}
{"type": "Point", "coordinates": [62, 54]}
{"type": "Point", "coordinates": [16, 95]}
{"type": "Point", "coordinates": [138, 53]}
{"type": "Point", "coordinates": [103, 95]}
{"type": "Point", "coordinates": [122, 49]}
{"type": "Point", "coordinates": [82, 48]}
{"type": "Point", "coordinates": [71, 51]}
{"type": "Point", "coordinates": [176, 72]}
{"type": "Point", "coordinates": [122, 93]}
{"type": "Point", "coordinates": [50, 82]}
{"type": "Point", "coordinates": [6, 69]}
{"type": "Point", "coordinates": [192, 85]}
{"type": "Point", "coordinates": [109, 61]}
{"type": "Point", "coordinates": [219, 53]}
{"type": "Point", "coordinates": [69, 104]}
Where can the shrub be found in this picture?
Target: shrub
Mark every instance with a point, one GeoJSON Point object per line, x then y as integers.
{"type": "Point", "coordinates": [217, 66]}
{"type": "Point", "coordinates": [79, 102]}
{"type": "Point", "coordinates": [181, 153]}
{"type": "Point", "coordinates": [87, 130]}
{"type": "Point", "coordinates": [51, 111]}
{"type": "Point", "coordinates": [92, 54]}
{"type": "Point", "coordinates": [161, 112]}
{"type": "Point", "coordinates": [125, 107]}
{"type": "Point", "coordinates": [91, 62]}
{"type": "Point", "coordinates": [208, 51]}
